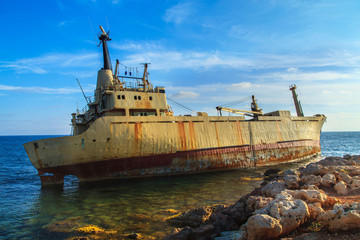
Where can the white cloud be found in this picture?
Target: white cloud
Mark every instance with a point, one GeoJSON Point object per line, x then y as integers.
{"type": "Point", "coordinates": [178, 13]}
{"type": "Point", "coordinates": [55, 61]}
{"type": "Point", "coordinates": [44, 90]}
{"type": "Point", "coordinates": [306, 76]}
{"type": "Point", "coordinates": [185, 94]}
{"type": "Point", "coordinates": [137, 46]}
{"type": "Point", "coordinates": [241, 85]}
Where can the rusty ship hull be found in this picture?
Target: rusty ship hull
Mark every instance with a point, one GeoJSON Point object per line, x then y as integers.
{"type": "Point", "coordinates": [123, 147]}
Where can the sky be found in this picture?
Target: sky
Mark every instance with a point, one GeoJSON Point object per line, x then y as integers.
{"type": "Point", "coordinates": [205, 53]}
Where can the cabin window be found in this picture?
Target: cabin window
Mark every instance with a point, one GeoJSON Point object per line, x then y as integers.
{"type": "Point", "coordinates": [162, 91]}
{"type": "Point", "coordinates": [123, 96]}
{"type": "Point", "coordinates": [118, 96]}
{"type": "Point", "coordinates": [135, 97]}
{"type": "Point", "coordinates": [150, 98]}
{"type": "Point", "coordinates": [139, 97]}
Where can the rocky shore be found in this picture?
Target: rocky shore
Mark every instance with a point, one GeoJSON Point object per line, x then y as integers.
{"type": "Point", "coordinates": [319, 201]}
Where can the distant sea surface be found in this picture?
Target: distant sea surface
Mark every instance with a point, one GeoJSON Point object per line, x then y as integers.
{"type": "Point", "coordinates": [28, 211]}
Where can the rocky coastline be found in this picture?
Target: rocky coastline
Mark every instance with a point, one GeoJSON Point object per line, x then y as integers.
{"type": "Point", "coordinates": [319, 201]}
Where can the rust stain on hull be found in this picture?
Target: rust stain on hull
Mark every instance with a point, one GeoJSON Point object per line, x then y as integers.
{"type": "Point", "coordinates": [189, 161]}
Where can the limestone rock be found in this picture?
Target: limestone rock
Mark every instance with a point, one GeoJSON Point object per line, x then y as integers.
{"type": "Point", "coordinates": [313, 196]}
{"type": "Point", "coordinates": [291, 214]}
{"type": "Point", "coordinates": [291, 172]}
{"type": "Point", "coordinates": [314, 169]}
{"type": "Point", "coordinates": [315, 210]}
{"type": "Point", "coordinates": [343, 176]}
{"type": "Point", "coordinates": [262, 226]}
{"type": "Point", "coordinates": [343, 217]}
{"type": "Point", "coordinates": [273, 188]}
{"type": "Point", "coordinates": [341, 188]}
{"type": "Point", "coordinates": [257, 202]}
{"type": "Point", "coordinates": [328, 180]}
{"type": "Point", "coordinates": [355, 184]}
{"type": "Point", "coordinates": [311, 180]}
{"type": "Point", "coordinates": [292, 181]}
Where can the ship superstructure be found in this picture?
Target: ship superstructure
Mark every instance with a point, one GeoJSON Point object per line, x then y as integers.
{"type": "Point", "coordinates": [129, 130]}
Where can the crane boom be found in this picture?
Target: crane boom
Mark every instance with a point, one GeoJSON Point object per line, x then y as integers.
{"type": "Point", "coordinates": [256, 111]}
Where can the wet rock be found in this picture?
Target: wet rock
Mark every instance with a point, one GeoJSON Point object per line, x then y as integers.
{"type": "Point", "coordinates": [292, 181]}
{"type": "Point", "coordinates": [314, 169]}
{"type": "Point", "coordinates": [238, 235]}
{"type": "Point", "coordinates": [272, 171]}
{"type": "Point", "coordinates": [263, 226]}
{"type": "Point", "coordinates": [341, 188]}
{"type": "Point", "coordinates": [333, 161]}
{"type": "Point", "coordinates": [273, 188]}
{"type": "Point", "coordinates": [191, 218]}
{"type": "Point", "coordinates": [224, 222]}
{"type": "Point", "coordinates": [133, 236]}
{"type": "Point", "coordinates": [180, 234]}
{"type": "Point", "coordinates": [291, 172]}
{"type": "Point", "coordinates": [65, 226]}
{"type": "Point", "coordinates": [311, 180]}
{"type": "Point", "coordinates": [257, 202]}
{"type": "Point", "coordinates": [239, 211]}
{"type": "Point", "coordinates": [90, 229]}
{"type": "Point", "coordinates": [328, 180]}
{"type": "Point", "coordinates": [342, 217]}
{"type": "Point", "coordinates": [202, 232]}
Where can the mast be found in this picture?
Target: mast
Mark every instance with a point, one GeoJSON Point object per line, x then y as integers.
{"type": "Point", "coordinates": [297, 103]}
{"type": "Point", "coordinates": [104, 37]}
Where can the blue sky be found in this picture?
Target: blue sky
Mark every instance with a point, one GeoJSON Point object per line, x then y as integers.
{"type": "Point", "coordinates": [206, 53]}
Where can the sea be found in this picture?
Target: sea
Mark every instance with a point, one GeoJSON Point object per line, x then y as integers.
{"type": "Point", "coordinates": [28, 211]}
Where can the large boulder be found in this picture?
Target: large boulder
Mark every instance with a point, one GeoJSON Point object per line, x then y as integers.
{"type": "Point", "coordinates": [328, 180]}
{"type": "Point", "coordinates": [273, 188]}
{"type": "Point", "coordinates": [263, 226]}
{"type": "Point", "coordinates": [314, 169]}
{"type": "Point", "coordinates": [292, 181]}
{"type": "Point", "coordinates": [343, 217]}
{"type": "Point", "coordinates": [290, 213]}
{"type": "Point", "coordinates": [313, 196]}
{"type": "Point", "coordinates": [258, 202]}
{"type": "Point", "coordinates": [355, 185]}
{"type": "Point", "coordinates": [315, 210]}
{"type": "Point", "coordinates": [343, 176]}
{"type": "Point", "coordinates": [191, 218]}
{"type": "Point", "coordinates": [311, 180]}
{"type": "Point", "coordinates": [341, 188]}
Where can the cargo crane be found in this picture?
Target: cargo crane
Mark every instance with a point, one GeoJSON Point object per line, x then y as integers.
{"type": "Point", "coordinates": [255, 110]}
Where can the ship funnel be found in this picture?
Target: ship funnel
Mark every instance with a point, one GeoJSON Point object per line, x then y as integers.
{"type": "Point", "coordinates": [297, 103]}
{"type": "Point", "coordinates": [104, 37]}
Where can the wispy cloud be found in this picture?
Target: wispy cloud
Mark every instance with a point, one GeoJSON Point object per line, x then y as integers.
{"type": "Point", "coordinates": [178, 13]}
{"type": "Point", "coordinates": [169, 59]}
{"type": "Point", "coordinates": [54, 61]}
{"type": "Point", "coordinates": [44, 90]}
{"type": "Point", "coordinates": [137, 46]}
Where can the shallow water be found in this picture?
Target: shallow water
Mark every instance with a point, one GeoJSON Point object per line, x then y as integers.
{"type": "Point", "coordinates": [140, 205]}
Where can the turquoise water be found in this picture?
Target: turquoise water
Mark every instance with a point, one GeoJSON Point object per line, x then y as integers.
{"type": "Point", "coordinates": [28, 211]}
